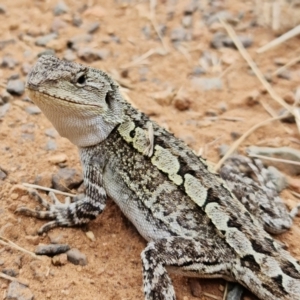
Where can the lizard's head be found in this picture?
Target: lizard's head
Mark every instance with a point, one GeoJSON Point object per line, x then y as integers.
{"type": "Point", "coordinates": [83, 103]}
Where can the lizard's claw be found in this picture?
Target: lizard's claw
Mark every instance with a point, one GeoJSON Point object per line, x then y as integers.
{"type": "Point", "coordinates": [53, 211]}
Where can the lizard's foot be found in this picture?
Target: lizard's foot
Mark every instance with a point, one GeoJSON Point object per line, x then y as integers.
{"type": "Point", "coordinates": [58, 212]}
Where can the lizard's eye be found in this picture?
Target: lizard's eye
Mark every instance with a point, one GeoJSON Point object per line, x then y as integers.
{"type": "Point", "coordinates": [81, 80]}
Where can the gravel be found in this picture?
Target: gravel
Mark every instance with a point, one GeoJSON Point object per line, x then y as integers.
{"type": "Point", "coordinates": [60, 8]}
{"type": "Point", "coordinates": [15, 87]}
{"type": "Point", "coordinates": [51, 249]}
{"type": "Point", "coordinates": [76, 257]}
{"type": "Point", "coordinates": [17, 291]}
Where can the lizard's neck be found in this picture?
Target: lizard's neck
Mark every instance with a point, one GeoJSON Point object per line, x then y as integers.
{"type": "Point", "coordinates": [84, 131]}
{"type": "Point", "coordinates": [84, 126]}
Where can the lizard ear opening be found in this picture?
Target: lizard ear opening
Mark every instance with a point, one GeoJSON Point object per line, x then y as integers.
{"type": "Point", "coordinates": [108, 99]}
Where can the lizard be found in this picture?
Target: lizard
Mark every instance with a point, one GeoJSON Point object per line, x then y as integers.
{"type": "Point", "coordinates": [192, 222]}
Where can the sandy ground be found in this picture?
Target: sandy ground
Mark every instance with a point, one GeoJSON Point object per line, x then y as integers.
{"type": "Point", "coordinates": [114, 268]}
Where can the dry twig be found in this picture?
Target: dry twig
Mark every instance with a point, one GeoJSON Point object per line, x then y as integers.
{"type": "Point", "coordinates": [6, 242]}
{"type": "Point", "coordinates": [255, 69]}
{"type": "Point", "coordinates": [236, 144]}
{"type": "Point", "coordinates": [286, 161]}
{"type": "Point", "coordinates": [212, 296]}
{"type": "Point", "coordinates": [273, 114]}
{"type": "Point", "coordinates": [225, 291]}
{"type": "Point", "coordinates": [10, 278]}
{"type": "Point", "coordinates": [286, 36]}
{"type": "Point", "coordinates": [288, 64]}
{"type": "Point", "coordinates": [152, 19]}
{"type": "Point", "coordinates": [139, 59]}
{"type": "Point", "coordinates": [39, 187]}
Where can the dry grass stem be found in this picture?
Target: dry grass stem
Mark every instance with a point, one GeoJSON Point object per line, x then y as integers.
{"type": "Point", "coordinates": [254, 68]}
{"type": "Point", "coordinates": [10, 278]}
{"type": "Point", "coordinates": [236, 144]}
{"type": "Point", "coordinates": [139, 59]}
{"type": "Point", "coordinates": [212, 296]}
{"type": "Point", "coordinates": [286, 36]}
{"type": "Point", "coordinates": [225, 291]}
{"type": "Point", "coordinates": [273, 114]}
{"type": "Point", "coordinates": [6, 242]}
{"type": "Point", "coordinates": [288, 64]}
{"type": "Point", "coordinates": [39, 187]}
{"type": "Point", "coordinates": [152, 19]}
{"type": "Point", "coordinates": [295, 194]}
{"type": "Point", "coordinates": [286, 161]}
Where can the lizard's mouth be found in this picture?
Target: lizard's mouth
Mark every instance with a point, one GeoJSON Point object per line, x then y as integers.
{"type": "Point", "coordinates": [36, 95]}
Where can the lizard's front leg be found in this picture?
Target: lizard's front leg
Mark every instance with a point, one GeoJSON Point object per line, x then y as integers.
{"type": "Point", "coordinates": [79, 212]}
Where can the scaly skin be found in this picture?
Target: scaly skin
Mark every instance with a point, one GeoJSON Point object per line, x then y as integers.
{"type": "Point", "coordinates": [194, 225]}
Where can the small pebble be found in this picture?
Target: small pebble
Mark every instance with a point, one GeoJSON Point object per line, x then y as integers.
{"type": "Point", "coordinates": [178, 34]}
{"type": "Point", "coordinates": [8, 62]}
{"type": "Point", "coordinates": [95, 11]}
{"type": "Point", "coordinates": [164, 97]}
{"type": "Point", "coordinates": [190, 8]}
{"type": "Point", "coordinates": [289, 97]}
{"type": "Point", "coordinates": [90, 55]}
{"type": "Point", "coordinates": [60, 8]}
{"type": "Point", "coordinates": [15, 87]}
{"type": "Point", "coordinates": [224, 15]}
{"type": "Point", "coordinates": [42, 41]}
{"type": "Point", "coordinates": [46, 52]}
{"type": "Point", "coordinates": [220, 39]}
{"type": "Point", "coordinates": [58, 158]}
{"type": "Point", "coordinates": [223, 106]}
{"type": "Point", "coordinates": [17, 291]}
{"type": "Point", "coordinates": [58, 24]}
{"type": "Point", "coordinates": [6, 97]}
{"type": "Point", "coordinates": [198, 71]}
{"type": "Point", "coordinates": [14, 196]}
{"type": "Point", "coordinates": [91, 236]}
{"type": "Point", "coordinates": [182, 103]}
{"type": "Point", "coordinates": [76, 20]}
{"type": "Point", "coordinates": [33, 239]}
{"type": "Point", "coordinates": [10, 272]}
{"type": "Point", "coordinates": [235, 135]}
{"type": "Point", "coordinates": [4, 109]}
{"type": "Point", "coordinates": [26, 67]}
{"type": "Point", "coordinates": [55, 238]}
{"type": "Point", "coordinates": [76, 257]}
{"type": "Point", "coordinates": [235, 291]}
{"type": "Point", "coordinates": [51, 132]}
{"type": "Point", "coordinates": [76, 40]}
{"type": "Point", "coordinates": [146, 30]}
{"type": "Point", "coordinates": [3, 175]}
{"type": "Point", "coordinates": [66, 179]}
{"type": "Point", "coordinates": [51, 145]}
{"type": "Point", "coordinates": [60, 260]}
{"type": "Point", "coordinates": [211, 113]}
{"type": "Point", "coordinates": [69, 55]}
{"type": "Point", "coordinates": [252, 98]}
{"type": "Point", "coordinates": [196, 288]}
{"type": "Point", "coordinates": [33, 110]}
{"type": "Point", "coordinates": [93, 27]}
{"type": "Point", "coordinates": [187, 21]}
{"type": "Point", "coordinates": [51, 249]}
{"type": "Point", "coordinates": [207, 84]}
{"type": "Point", "coordinates": [2, 9]}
